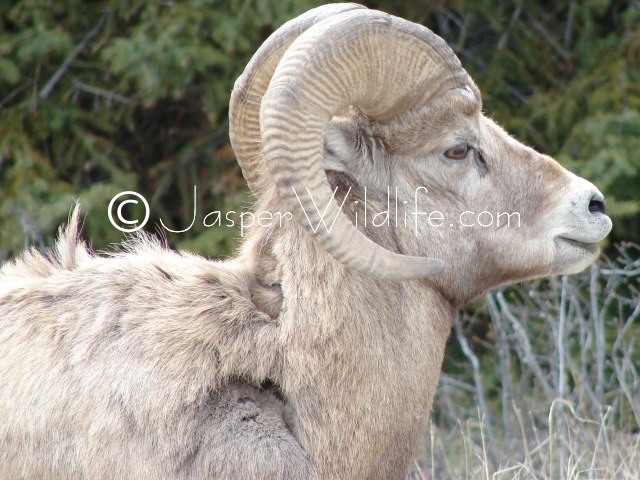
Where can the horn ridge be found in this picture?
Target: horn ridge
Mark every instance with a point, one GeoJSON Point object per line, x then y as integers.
{"type": "Point", "coordinates": [249, 88]}
{"type": "Point", "coordinates": [381, 64]}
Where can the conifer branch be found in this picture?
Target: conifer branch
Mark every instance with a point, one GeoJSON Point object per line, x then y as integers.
{"type": "Point", "coordinates": [50, 85]}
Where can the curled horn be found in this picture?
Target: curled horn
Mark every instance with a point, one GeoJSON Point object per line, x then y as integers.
{"type": "Point", "coordinates": [384, 65]}
{"type": "Point", "coordinates": [244, 106]}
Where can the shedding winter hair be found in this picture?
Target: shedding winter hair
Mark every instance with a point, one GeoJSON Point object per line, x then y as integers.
{"type": "Point", "coordinates": [315, 352]}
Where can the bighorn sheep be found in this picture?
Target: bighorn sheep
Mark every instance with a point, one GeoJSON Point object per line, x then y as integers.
{"type": "Point", "coordinates": [315, 353]}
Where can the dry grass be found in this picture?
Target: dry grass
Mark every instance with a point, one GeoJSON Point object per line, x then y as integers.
{"type": "Point", "coordinates": [547, 383]}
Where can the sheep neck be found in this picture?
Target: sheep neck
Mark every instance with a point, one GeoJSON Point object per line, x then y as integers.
{"type": "Point", "coordinates": [361, 360]}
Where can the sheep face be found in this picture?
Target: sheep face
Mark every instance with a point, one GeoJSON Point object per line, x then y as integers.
{"type": "Point", "coordinates": [387, 103]}
{"type": "Point", "coordinates": [494, 210]}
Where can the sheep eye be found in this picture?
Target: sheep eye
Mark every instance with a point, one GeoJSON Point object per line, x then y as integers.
{"type": "Point", "coordinates": [458, 152]}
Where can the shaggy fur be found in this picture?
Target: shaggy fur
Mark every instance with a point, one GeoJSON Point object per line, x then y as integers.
{"type": "Point", "coordinates": [280, 363]}
{"type": "Point", "coordinates": [154, 364]}
{"type": "Point", "coordinates": [138, 366]}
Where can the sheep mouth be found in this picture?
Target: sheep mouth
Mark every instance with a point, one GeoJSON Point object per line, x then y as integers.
{"type": "Point", "coordinates": [588, 246]}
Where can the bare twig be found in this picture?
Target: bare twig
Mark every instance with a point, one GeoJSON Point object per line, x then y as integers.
{"type": "Point", "coordinates": [548, 36]}
{"type": "Point", "coordinates": [528, 358]}
{"type": "Point", "coordinates": [619, 271]}
{"type": "Point", "coordinates": [504, 356]}
{"type": "Point", "coordinates": [569, 28]}
{"type": "Point", "coordinates": [560, 429]}
{"type": "Point", "coordinates": [477, 378]}
{"type": "Point", "coordinates": [514, 18]}
{"type": "Point", "coordinates": [455, 383]}
{"type": "Point", "coordinates": [100, 92]}
{"type": "Point", "coordinates": [55, 78]}
{"type": "Point", "coordinates": [598, 326]}
{"type": "Point", "coordinates": [14, 93]}
{"type": "Point", "coordinates": [561, 339]}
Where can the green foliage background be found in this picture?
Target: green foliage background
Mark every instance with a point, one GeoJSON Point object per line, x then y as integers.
{"type": "Point", "coordinates": [104, 96]}
{"type": "Point", "coordinates": [99, 97]}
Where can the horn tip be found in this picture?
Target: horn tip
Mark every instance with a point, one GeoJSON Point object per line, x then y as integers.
{"type": "Point", "coordinates": [427, 267]}
{"type": "Point", "coordinates": [412, 268]}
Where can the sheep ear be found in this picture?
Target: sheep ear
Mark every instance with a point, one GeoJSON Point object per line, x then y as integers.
{"type": "Point", "coordinates": [350, 148]}
{"type": "Point", "coordinates": [340, 145]}
{"type": "Point", "coordinates": [384, 67]}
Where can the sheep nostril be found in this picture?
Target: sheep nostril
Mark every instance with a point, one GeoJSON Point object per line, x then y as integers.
{"type": "Point", "coordinates": [596, 205]}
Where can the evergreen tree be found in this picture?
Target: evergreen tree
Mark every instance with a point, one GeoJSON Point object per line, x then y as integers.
{"type": "Point", "coordinates": [101, 97]}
